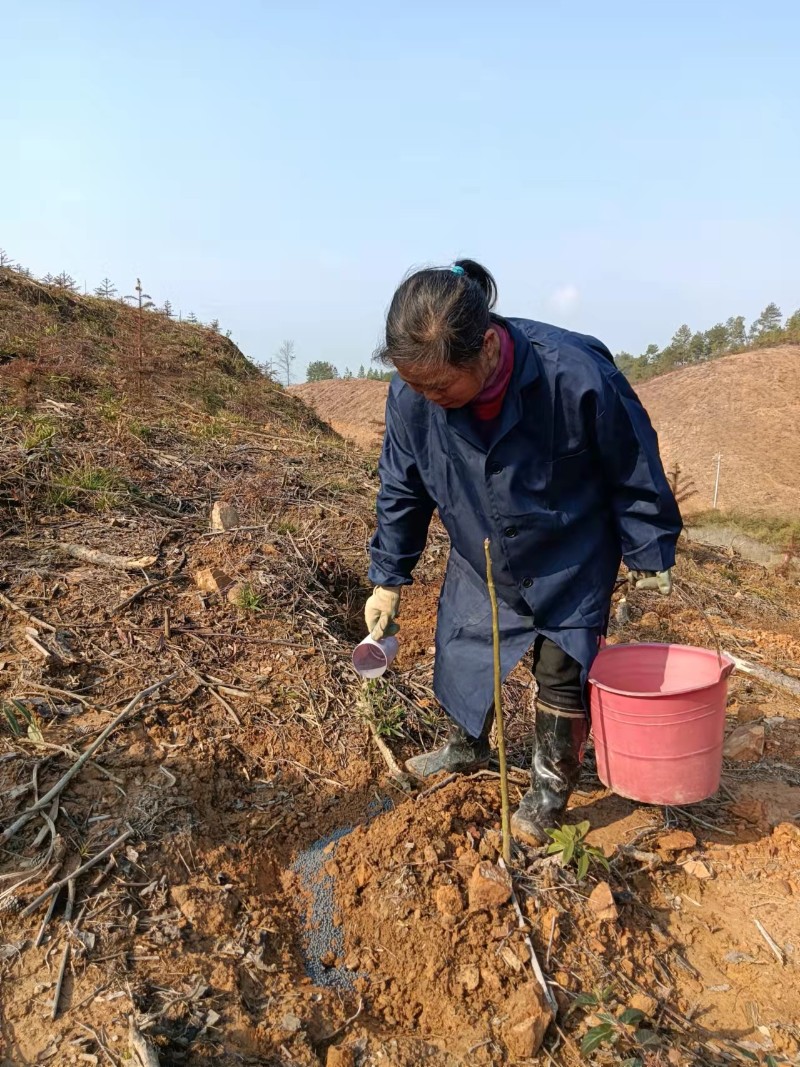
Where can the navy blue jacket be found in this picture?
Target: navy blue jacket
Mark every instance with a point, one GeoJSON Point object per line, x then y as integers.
{"type": "Point", "coordinates": [570, 482]}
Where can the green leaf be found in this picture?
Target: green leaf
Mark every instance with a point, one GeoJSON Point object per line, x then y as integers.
{"type": "Point", "coordinates": [631, 1017]}
{"type": "Point", "coordinates": [582, 829]}
{"type": "Point", "coordinates": [583, 866]}
{"type": "Point", "coordinates": [646, 1038]}
{"type": "Point", "coordinates": [585, 1000]}
{"type": "Point", "coordinates": [595, 1038]}
{"type": "Point", "coordinates": [569, 852]}
{"type": "Point", "coordinates": [555, 847]}
{"type": "Point", "coordinates": [632, 1061]}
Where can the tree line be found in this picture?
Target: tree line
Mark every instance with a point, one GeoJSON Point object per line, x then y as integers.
{"type": "Point", "coordinates": [321, 371]}
{"type": "Point", "coordinates": [688, 348]}
{"type": "Point", "coordinates": [106, 290]}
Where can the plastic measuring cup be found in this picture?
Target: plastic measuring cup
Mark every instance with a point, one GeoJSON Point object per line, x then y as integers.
{"type": "Point", "coordinates": [371, 658]}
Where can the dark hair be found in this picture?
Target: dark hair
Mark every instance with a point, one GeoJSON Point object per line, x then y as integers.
{"type": "Point", "coordinates": [439, 315]}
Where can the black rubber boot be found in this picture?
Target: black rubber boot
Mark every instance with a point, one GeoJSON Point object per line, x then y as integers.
{"type": "Point", "coordinates": [557, 754]}
{"type": "Point", "coordinates": [460, 753]}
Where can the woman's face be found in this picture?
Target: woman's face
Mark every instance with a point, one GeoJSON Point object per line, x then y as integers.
{"type": "Point", "coordinates": [454, 387]}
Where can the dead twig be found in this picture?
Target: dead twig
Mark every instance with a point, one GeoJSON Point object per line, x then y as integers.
{"type": "Point", "coordinates": [74, 875]}
{"type": "Point", "coordinates": [537, 969]}
{"type": "Point", "coordinates": [105, 559]}
{"type": "Point", "coordinates": [144, 1055]}
{"type": "Point", "coordinates": [44, 801]}
{"type": "Point", "coordinates": [26, 614]}
{"type": "Point", "coordinates": [60, 981]}
{"type": "Point", "coordinates": [772, 944]}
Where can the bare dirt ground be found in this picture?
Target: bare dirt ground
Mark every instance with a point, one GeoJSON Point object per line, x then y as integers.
{"type": "Point", "coordinates": [199, 806]}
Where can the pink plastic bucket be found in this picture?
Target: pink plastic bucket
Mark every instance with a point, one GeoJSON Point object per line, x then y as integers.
{"type": "Point", "coordinates": [658, 719]}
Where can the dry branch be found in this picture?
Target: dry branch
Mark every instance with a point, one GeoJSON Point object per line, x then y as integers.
{"type": "Point", "coordinates": [86, 755]}
{"type": "Point", "coordinates": [144, 1055]}
{"type": "Point", "coordinates": [104, 559]}
{"type": "Point", "coordinates": [56, 887]}
{"type": "Point", "coordinates": [26, 614]}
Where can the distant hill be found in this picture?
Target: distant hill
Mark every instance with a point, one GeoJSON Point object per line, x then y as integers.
{"type": "Point", "coordinates": [354, 407]}
{"type": "Point", "coordinates": [745, 407]}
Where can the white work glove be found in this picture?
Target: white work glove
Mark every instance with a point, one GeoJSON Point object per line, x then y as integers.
{"type": "Point", "coordinates": [656, 580]}
{"type": "Point", "coordinates": [381, 610]}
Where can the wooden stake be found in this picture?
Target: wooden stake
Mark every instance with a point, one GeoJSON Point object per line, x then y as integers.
{"type": "Point", "coordinates": [498, 709]}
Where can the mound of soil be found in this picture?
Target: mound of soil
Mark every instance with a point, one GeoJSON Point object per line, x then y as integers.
{"type": "Point", "coordinates": [354, 408]}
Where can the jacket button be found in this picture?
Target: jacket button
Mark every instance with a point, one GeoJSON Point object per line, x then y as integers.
{"type": "Point", "coordinates": [511, 531]}
{"type": "Point", "coordinates": [527, 583]}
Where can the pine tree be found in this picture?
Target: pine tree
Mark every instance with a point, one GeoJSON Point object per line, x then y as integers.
{"type": "Point", "coordinates": [321, 371]}
{"type": "Point", "coordinates": [361, 372]}
{"type": "Point", "coordinates": [737, 332]}
{"type": "Point", "coordinates": [143, 302]}
{"type": "Point", "coordinates": [192, 318]}
{"type": "Point", "coordinates": [167, 309]}
{"type": "Point", "coordinates": [5, 258]}
{"type": "Point", "coordinates": [106, 289]}
{"type": "Point", "coordinates": [48, 280]}
{"type": "Point", "coordinates": [66, 281]}
{"type": "Point", "coordinates": [214, 325]}
{"type": "Point", "coordinates": [768, 324]}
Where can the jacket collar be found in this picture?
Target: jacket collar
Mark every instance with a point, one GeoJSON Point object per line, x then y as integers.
{"type": "Point", "coordinates": [525, 373]}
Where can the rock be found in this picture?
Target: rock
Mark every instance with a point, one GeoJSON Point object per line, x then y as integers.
{"type": "Point", "coordinates": [469, 978]}
{"type": "Point", "coordinates": [745, 744]}
{"type": "Point", "coordinates": [697, 869]}
{"type": "Point", "coordinates": [291, 1023]}
{"type": "Point", "coordinates": [601, 903]}
{"type": "Point", "coordinates": [233, 594]}
{"type": "Point", "coordinates": [362, 875]}
{"type": "Point", "coordinates": [527, 1019]}
{"type": "Point", "coordinates": [448, 900]}
{"type": "Point", "coordinates": [212, 580]}
{"type": "Point", "coordinates": [647, 1005]}
{"type": "Point", "coordinates": [750, 810]}
{"type": "Point", "coordinates": [328, 959]}
{"type": "Point", "coordinates": [751, 713]}
{"type": "Point", "coordinates": [677, 841]}
{"type": "Point", "coordinates": [489, 886]}
{"type": "Point", "coordinates": [340, 1056]}
{"type": "Point", "coordinates": [224, 516]}
{"type": "Point", "coordinates": [650, 621]}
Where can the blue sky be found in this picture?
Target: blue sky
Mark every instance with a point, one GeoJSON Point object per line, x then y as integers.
{"type": "Point", "coordinates": [620, 167]}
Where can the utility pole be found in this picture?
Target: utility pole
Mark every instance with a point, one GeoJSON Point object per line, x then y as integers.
{"type": "Point", "coordinates": [716, 480]}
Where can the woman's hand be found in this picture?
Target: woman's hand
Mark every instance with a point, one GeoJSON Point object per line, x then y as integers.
{"type": "Point", "coordinates": [381, 610]}
{"type": "Point", "coordinates": [657, 580]}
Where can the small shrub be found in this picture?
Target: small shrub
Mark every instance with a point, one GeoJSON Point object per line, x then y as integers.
{"type": "Point", "coordinates": [569, 841]}
{"type": "Point", "coordinates": [39, 433]}
{"type": "Point", "coordinates": [249, 600]}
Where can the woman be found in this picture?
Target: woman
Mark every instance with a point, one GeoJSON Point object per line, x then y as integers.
{"type": "Point", "coordinates": [526, 434]}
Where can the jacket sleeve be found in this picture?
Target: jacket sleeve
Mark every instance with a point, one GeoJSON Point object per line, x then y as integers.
{"type": "Point", "coordinates": [404, 508]}
{"type": "Point", "coordinates": [646, 513]}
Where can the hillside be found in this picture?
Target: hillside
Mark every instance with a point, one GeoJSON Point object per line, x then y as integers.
{"type": "Point", "coordinates": [354, 408]}
{"type": "Point", "coordinates": [745, 407]}
{"type": "Point", "coordinates": [191, 771]}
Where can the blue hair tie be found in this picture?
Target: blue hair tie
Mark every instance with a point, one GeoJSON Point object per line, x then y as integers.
{"type": "Point", "coordinates": [457, 270]}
